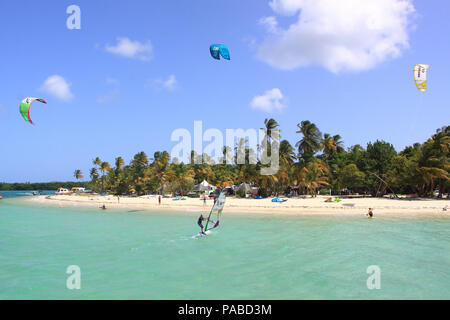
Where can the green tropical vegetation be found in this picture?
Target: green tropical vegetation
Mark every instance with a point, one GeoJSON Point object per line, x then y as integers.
{"type": "Point", "coordinates": [317, 163]}
{"type": "Point", "coordinates": [50, 186]}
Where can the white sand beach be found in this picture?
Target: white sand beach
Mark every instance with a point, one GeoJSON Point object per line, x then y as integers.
{"type": "Point", "coordinates": [295, 206]}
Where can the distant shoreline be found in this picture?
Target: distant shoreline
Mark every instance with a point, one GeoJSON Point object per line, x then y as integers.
{"type": "Point", "coordinates": [293, 206]}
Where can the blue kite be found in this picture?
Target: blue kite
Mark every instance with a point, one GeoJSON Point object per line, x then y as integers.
{"type": "Point", "coordinates": [218, 50]}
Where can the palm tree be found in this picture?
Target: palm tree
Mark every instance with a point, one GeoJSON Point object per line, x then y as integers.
{"type": "Point", "coordinates": [183, 179]}
{"type": "Point", "coordinates": [248, 173]}
{"type": "Point", "coordinates": [269, 126]}
{"type": "Point", "coordinates": [441, 146]}
{"type": "Point", "coordinates": [93, 174]}
{"type": "Point", "coordinates": [271, 134]}
{"type": "Point", "coordinates": [433, 162]}
{"type": "Point", "coordinates": [287, 154]}
{"type": "Point", "coordinates": [119, 163]}
{"type": "Point", "coordinates": [338, 143]}
{"type": "Point", "coordinates": [287, 157]}
{"type": "Point", "coordinates": [204, 172]}
{"type": "Point", "coordinates": [266, 183]}
{"type": "Point", "coordinates": [97, 161]}
{"type": "Point", "coordinates": [160, 159]}
{"type": "Point", "coordinates": [311, 141]}
{"type": "Point", "coordinates": [332, 145]}
{"type": "Point", "coordinates": [78, 174]}
{"type": "Point", "coordinates": [227, 154]}
{"type": "Point", "coordinates": [164, 158]}
{"type": "Point", "coordinates": [165, 178]}
{"type": "Point", "coordinates": [94, 178]}
{"type": "Point", "coordinates": [115, 176]}
{"type": "Point", "coordinates": [312, 176]}
{"type": "Point", "coordinates": [140, 160]}
{"type": "Point", "coordinates": [240, 151]}
{"type": "Point", "coordinates": [104, 166]}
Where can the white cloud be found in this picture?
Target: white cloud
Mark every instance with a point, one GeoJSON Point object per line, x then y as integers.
{"type": "Point", "coordinates": [286, 7]}
{"type": "Point", "coordinates": [112, 96]}
{"type": "Point", "coordinates": [270, 23]}
{"type": "Point", "coordinates": [170, 84]}
{"type": "Point", "coordinates": [132, 49]}
{"type": "Point", "coordinates": [344, 35]}
{"type": "Point", "coordinates": [272, 100]}
{"type": "Point", "coordinates": [58, 87]}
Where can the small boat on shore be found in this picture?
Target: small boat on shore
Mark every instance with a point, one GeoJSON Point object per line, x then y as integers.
{"type": "Point", "coordinates": [62, 191]}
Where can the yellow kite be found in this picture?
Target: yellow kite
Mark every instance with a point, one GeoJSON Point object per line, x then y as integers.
{"type": "Point", "coordinates": [420, 76]}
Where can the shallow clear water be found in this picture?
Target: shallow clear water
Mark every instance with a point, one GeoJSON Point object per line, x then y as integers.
{"type": "Point", "coordinates": [153, 255]}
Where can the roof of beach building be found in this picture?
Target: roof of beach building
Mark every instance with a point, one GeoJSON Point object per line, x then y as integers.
{"type": "Point", "coordinates": [203, 186]}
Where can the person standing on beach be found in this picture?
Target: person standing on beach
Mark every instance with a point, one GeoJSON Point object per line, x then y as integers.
{"type": "Point", "coordinates": [159, 200]}
{"type": "Point", "coordinates": [370, 213]}
{"type": "Point", "coordinates": [118, 199]}
{"type": "Point", "coordinates": [204, 201]}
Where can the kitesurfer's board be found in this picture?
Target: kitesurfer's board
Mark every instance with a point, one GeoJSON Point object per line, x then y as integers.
{"type": "Point", "coordinates": [200, 235]}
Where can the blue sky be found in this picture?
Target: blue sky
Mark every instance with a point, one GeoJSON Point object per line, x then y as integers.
{"type": "Point", "coordinates": [109, 97]}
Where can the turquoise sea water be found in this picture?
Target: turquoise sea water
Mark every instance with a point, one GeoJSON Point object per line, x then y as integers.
{"type": "Point", "coordinates": [153, 255]}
